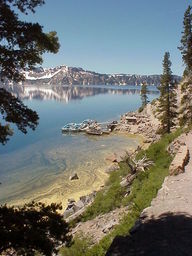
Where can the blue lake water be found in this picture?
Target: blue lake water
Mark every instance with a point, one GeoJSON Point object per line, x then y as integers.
{"type": "Point", "coordinates": [37, 165]}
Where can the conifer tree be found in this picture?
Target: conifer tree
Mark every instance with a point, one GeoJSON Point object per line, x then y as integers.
{"type": "Point", "coordinates": [186, 103]}
{"type": "Point", "coordinates": [22, 45]}
{"type": "Point", "coordinates": [186, 41]}
{"type": "Point", "coordinates": [167, 100]}
{"type": "Point", "coordinates": [186, 51]}
{"type": "Point", "coordinates": [144, 98]}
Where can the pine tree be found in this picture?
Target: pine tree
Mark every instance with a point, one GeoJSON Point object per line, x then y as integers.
{"type": "Point", "coordinates": [21, 47]}
{"type": "Point", "coordinates": [186, 51]}
{"type": "Point", "coordinates": [144, 98]}
{"type": "Point", "coordinates": [167, 100]}
{"type": "Point", "coordinates": [186, 103]}
{"type": "Point", "coordinates": [186, 41]}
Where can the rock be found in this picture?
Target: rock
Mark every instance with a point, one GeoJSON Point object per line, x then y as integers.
{"type": "Point", "coordinates": [111, 158]}
{"type": "Point", "coordinates": [78, 205]}
{"type": "Point", "coordinates": [109, 226]}
{"type": "Point", "coordinates": [71, 200]}
{"type": "Point", "coordinates": [74, 177]}
{"type": "Point", "coordinates": [180, 160]}
{"type": "Point", "coordinates": [175, 145]}
{"type": "Point", "coordinates": [148, 140]}
{"type": "Point", "coordinates": [120, 156]}
{"type": "Point", "coordinates": [75, 209]}
{"type": "Point", "coordinates": [68, 212]}
{"type": "Point", "coordinates": [112, 167]}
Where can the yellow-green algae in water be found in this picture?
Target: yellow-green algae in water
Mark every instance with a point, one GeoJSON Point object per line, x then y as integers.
{"type": "Point", "coordinates": [44, 176]}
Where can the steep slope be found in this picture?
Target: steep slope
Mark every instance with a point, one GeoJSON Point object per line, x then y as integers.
{"type": "Point", "coordinates": [64, 75]}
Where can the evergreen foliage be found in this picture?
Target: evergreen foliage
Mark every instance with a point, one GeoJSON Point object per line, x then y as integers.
{"type": "Point", "coordinates": [167, 99]}
{"type": "Point", "coordinates": [21, 47]}
{"type": "Point", "coordinates": [186, 51]}
{"type": "Point", "coordinates": [14, 111]}
{"type": "Point", "coordinates": [32, 228]}
{"type": "Point", "coordinates": [186, 103]}
{"type": "Point", "coordinates": [144, 97]}
{"type": "Point", "coordinates": [186, 41]}
{"type": "Point", "coordinates": [22, 43]}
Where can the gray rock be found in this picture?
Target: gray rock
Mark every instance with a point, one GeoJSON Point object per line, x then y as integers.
{"type": "Point", "coordinates": [109, 226]}
{"type": "Point", "coordinates": [74, 177]}
{"type": "Point", "coordinates": [71, 200]}
{"type": "Point", "coordinates": [68, 212]}
{"type": "Point", "coordinates": [112, 167]}
{"type": "Point", "coordinates": [78, 205]}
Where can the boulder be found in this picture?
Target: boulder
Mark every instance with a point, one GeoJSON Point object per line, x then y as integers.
{"type": "Point", "coordinates": [109, 226]}
{"type": "Point", "coordinates": [78, 205]}
{"type": "Point", "coordinates": [120, 155]}
{"type": "Point", "coordinates": [68, 212]}
{"type": "Point", "coordinates": [111, 158]}
{"type": "Point", "coordinates": [71, 200]}
{"type": "Point", "coordinates": [112, 167]}
{"type": "Point", "coordinates": [74, 177]}
{"type": "Point", "coordinates": [180, 160]}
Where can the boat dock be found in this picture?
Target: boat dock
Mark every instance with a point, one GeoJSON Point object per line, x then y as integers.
{"type": "Point", "coordinates": [90, 127]}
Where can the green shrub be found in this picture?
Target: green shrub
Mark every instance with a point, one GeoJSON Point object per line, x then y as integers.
{"type": "Point", "coordinates": [80, 246]}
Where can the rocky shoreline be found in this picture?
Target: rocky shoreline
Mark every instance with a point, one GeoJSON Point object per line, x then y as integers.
{"type": "Point", "coordinates": [144, 124]}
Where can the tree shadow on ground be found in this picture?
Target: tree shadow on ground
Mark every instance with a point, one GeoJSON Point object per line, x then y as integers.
{"type": "Point", "coordinates": [170, 235]}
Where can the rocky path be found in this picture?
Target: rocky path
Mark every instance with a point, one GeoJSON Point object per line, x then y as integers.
{"type": "Point", "coordinates": [175, 196]}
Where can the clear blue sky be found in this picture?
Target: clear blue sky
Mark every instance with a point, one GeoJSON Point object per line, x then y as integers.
{"type": "Point", "coordinates": [114, 36]}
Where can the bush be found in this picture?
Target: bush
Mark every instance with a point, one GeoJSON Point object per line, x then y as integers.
{"type": "Point", "coordinates": [79, 247]}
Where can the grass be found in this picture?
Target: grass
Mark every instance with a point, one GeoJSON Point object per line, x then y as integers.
{"type": "Point", "coordinates": [143, 190]}
{"type": "Point", "coordinates": [110, 197]}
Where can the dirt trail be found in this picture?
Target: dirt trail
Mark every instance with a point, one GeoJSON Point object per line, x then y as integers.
{"type": "Point", "coordinates": [175, 196]}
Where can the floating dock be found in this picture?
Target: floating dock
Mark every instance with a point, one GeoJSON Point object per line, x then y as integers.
{"type": "Point", "coordinates": [90, 127]}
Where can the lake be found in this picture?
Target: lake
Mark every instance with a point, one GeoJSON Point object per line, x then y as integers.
{"type": "Point", "coordinates": [38, 165]}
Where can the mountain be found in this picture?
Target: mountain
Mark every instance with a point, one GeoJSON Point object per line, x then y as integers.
{"type": "Point", "coordinates": [64, 75]}
{"type": "Point", "coordinates": [68, 93]}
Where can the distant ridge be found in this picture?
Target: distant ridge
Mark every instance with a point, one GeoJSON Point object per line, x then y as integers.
{"type": "Point", "coordinates": [64, 75]}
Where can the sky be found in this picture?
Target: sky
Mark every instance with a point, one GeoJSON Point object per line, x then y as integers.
{"type": "Point", "coordinates": [114, 36]}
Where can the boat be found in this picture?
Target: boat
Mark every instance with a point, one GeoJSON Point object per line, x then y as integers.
{"type": "Point", "coordinates": [89, 126]}
{"type": "Point", "coordinates": [71, 127]}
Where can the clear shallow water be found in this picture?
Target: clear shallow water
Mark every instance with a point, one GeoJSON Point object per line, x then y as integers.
{"type": "Point", "coordinates": [38, 165]}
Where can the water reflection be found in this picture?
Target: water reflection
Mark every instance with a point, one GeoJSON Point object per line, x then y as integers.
{"type": "Point", "coordinates": [68, 93]}
{"type": "Point", "coordinates": [38, 166]}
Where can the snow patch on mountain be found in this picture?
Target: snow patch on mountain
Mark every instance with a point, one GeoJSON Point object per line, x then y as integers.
{"type": "Point", "coordinates": [44, 73]}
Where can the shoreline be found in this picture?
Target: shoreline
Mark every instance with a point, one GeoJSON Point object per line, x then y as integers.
{"type": "Point", "coordinates": [89, 181]}
{"type": "Point", "coordinates": [130, 121]}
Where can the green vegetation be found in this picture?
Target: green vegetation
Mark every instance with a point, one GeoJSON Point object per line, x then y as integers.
{"type": "Point", "coordinates": [143, 190]}
{"type": "Point", "coordinates": [144, 98]}
{"type": "Point", "coordinates": [186, 51]}
{"type": "Point", "coordinates": [186, 103]}
{"type": "Point", "coordinates": [110, 197]}
{"type": "Point", "coordinates": [79, 247]}
{"type": "Point", "coordinates": [186, 41]}
{"type": "Point", "coordinates": [32, 229]}
{"type": "Point", "coordinates": [22, 45]}
{"type": "Point", "coordinates": [167, 99]}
